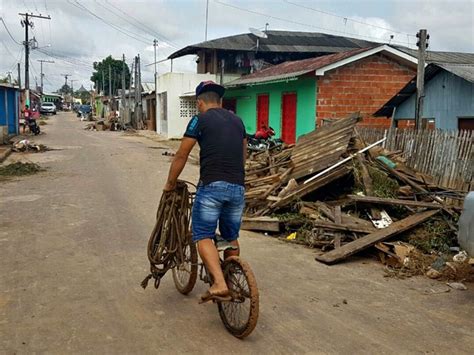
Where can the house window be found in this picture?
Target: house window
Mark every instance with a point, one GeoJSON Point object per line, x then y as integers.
{"type": "Point", "coordinates": [187, 107]}
{"type": "Point", "coordinates": [466, 123]}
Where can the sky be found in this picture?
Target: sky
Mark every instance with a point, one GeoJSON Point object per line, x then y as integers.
{"type": "Point", "coordinates": [83, 31]}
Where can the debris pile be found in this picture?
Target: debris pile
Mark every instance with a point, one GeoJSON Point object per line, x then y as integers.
{"type": "Point", "coordinates": [26, 146]}
{"type": "Point", "coordinates": [344, 196]}
{"type": "Point", "coordinates": [19, 169]}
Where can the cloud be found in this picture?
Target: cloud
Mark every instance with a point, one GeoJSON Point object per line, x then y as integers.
{"type": "Point", "coordinates": [78, 38]}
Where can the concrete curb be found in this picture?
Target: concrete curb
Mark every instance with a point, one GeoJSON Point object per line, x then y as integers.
{"type": "Point", "coordinates": [4, 155]}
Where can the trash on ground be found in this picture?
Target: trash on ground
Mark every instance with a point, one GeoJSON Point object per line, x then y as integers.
{"type": "Point", "coordinates": [457, 286]}
{"type": "Point", "coordinates": [26, 146]}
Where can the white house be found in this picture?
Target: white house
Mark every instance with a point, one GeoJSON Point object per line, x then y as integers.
{"type": "Point", "coordinates": [176, 103]}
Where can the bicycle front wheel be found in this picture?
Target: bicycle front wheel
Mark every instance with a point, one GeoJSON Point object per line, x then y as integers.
{"type": "Point", "coordinates": [241, 314]}
{"type": "Point", "coordinates": [186, 269]}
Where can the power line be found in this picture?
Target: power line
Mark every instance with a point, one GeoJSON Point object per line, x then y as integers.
{"type": "Point", "coordinates": [63, 59]}
{"type": "Point", "coordinates": [346, 18]}
{"type": "Point", "coordinates": [125, 19]}
{"type": "Point", "coordinates": [8, 49]}
{"type": "Point", "coordinates": [153, 32]}
{"type": "Point", "coordinates": [299, 23]}
{"type": "Point", "coordinates": [49, 23]}
{"type": "Point", "coordinates": [8, 31]}
{"type": "Point", "coordinates": [82, 7]}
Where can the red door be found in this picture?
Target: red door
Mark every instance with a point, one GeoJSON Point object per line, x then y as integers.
{"type": "Point", "coordinates": [262, 111]}
{"type": "Point", "coordinates": [288, 119]}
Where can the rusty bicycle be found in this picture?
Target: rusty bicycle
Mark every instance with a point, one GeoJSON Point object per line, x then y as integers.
{"type": "Point", "coordinates": [170, 247]}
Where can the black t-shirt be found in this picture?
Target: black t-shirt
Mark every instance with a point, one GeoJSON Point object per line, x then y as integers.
{"type": "Point", "coordinates": [220, 134]}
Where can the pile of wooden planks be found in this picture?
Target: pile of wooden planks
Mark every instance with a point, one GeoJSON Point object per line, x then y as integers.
{"type": "Point", "coordinates": [275, 179]}
{"type": "Point", "coordinates": [346, 219]}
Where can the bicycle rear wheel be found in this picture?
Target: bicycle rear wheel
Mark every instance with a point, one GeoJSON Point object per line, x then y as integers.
{"type": "Point", "coordinates": [241, 314]}
{"type": "Point", "coordinates": [186, 269]}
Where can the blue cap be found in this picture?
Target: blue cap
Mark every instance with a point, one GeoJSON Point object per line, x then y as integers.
{"type": "Point", "coordinates": [205, 86]}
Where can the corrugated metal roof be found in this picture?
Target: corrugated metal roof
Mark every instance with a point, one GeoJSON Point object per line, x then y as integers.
{"type": "Point", "coordinates": [279, 41]}
{"type": "Point", "coordinates": [148, 87]}
{"type": "Point", "coordinates": [441, 57]}
{"type": "Point", "coordinates": [465, 71]}
{"type": "Point", "coordinates": [292, 69]}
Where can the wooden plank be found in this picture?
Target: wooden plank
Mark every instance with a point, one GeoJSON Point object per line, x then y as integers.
{"type": "Point", "coordinates": [305, 189]}
{"type": "Point", "coordinates": [375, 237]}
{"type": "Point", "coordinates": [393, 201]}
{"type": "Point", "coordinates": [267, 224]}
{"type": "Point", "coordinates": [343, 227]}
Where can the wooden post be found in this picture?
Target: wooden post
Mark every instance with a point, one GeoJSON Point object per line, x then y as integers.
{"type": "Point", "coordinates": [420, 78]}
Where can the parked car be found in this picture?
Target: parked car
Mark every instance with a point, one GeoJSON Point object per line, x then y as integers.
{"type": "Point", "coordinates": [47, 108]}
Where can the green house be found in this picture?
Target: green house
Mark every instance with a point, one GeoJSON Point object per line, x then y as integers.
{"type": "Point", "coordinates": [267, 104]}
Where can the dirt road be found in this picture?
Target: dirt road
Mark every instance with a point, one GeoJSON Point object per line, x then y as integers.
{"type": "Point", "coordinates": [73, 253]}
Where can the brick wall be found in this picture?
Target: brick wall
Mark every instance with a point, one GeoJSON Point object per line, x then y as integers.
{"type": "Point", "coordinates": [361, 86]}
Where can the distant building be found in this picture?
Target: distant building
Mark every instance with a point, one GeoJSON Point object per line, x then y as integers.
{"type": "Point", "coordinates": [9, 110]}
{"type": "Point", "coordinates": [246, 53]}
{"type": "Point", "coordinates": [448, 98]}
{"type": "Point", "coordinates": [294, 97]}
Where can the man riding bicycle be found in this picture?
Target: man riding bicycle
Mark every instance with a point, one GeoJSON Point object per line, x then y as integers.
{"type": "Point", "coordinates": [220, 194]}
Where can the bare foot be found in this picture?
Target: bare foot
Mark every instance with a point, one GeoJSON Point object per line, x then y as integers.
{"type": "Point", "coordinates": [219, 289]}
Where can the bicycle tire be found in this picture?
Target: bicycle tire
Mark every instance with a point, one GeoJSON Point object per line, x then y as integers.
{"type": "Point", "coordinates": [231, 267]}
{"type": "Point", "coordinates": [186, 285]}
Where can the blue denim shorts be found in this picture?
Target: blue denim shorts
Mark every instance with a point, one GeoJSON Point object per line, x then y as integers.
{"type": "Point", "coordinates": [216, 203]}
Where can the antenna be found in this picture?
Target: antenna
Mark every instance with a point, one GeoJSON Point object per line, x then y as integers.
{"type": "Point", "coordinates": [259, 34]}
{"type": "Point", "coordinates": [256, 32]}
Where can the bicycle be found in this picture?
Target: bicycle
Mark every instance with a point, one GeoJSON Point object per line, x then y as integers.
{"type": "Point", "coordinates": [171, 248]}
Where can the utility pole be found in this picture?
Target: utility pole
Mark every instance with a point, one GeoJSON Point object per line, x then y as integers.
{"type": "Point", "coordinates": [42, 75]}
{"type": "Point", "coordinates": [122, 114]}
{"type": "Point", "coordinates": [19, 75]}
{"type": "Point", "coordinates": [207, 18]}
{"type": "Point", "coordinates": [110, 81]}
{"type": "Point", "coordinates": [65, 78]}
{"type": "Point", "coordinates": [420, 76]}
{"type": "Point", "coordinates": [139, 92]}
{"type": "Point", "coordinates": [27, 23]}
{"type": "Point", "coordinates": [135, 81]}
{"type": "Point", "coordinates": [155, 44]}
{"type": "Point", "coordinates": [72, 90]}
{"type": "Point", "coordinates": [129, 110]}
{"type": "Point", "coordinates": [103, 83]}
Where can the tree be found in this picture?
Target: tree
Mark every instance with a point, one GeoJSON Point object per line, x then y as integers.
{"type": "Point", "coordinates": [6, 80]}
{"type": "Point", "coordinates": [65, 89]}
{"type": "Point", "coordinates": [102, 73]}
{"type": "Point", "coordinates": [85, 96]}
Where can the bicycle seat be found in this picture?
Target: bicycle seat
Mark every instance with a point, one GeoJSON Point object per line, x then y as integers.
{"type": "Point", "coordinates": [223, 245]}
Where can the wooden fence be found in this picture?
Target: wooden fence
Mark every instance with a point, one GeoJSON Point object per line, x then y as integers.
{"type": "Point", "coordinates": [448, 156]}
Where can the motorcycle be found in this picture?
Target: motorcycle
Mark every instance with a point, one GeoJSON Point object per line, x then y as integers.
{"type": "Point", "coordinates": [34, 127]}
{"type": "Point", "coordinates": [263, 140]}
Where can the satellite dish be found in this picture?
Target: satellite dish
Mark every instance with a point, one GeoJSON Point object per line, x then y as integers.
{"type": "Point", "coordinates": [258, 33]}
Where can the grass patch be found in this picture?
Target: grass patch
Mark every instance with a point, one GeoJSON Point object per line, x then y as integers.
{"type": "Point", "coordinates": [19, 169]}
{"type": "Point", "coordinates": [42, 123]}
{"type": "Point", "coordinates": [434, 235]}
